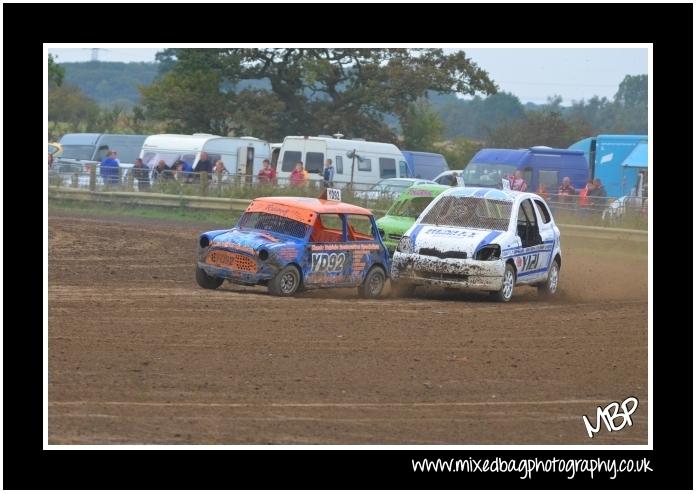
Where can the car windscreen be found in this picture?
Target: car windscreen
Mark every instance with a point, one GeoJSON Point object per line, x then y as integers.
{"type": "Point", "coordinates": [78, 152]}
{"type": "Point", "coordinates": [410, 207]}
{"type": "Point", "coordinates": [271, 222]}
{"type": "Point", "coordinates": [470, 212]}
{"type": "Point", "coordinates": [487, 175]}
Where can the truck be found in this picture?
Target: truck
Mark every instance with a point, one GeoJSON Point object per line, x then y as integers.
{"type": "Point", "coordinates": [619, 161]}
{"type": "Point", "coordinates": [355, 160]}
{"type": "Point", "coordinates": [426, 165]}
{"type": "Point", "coordinates": [81, 148]}
{"type": "Point", "coordinates": [540, 166]}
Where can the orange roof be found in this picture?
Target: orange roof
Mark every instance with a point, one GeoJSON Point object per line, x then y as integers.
{"type": "Point", "coordinates": [306, 204]}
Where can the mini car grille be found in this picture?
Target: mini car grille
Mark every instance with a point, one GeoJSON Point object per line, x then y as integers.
{"type": "Point", "coordinates": [440, 276]}
{"type": "Point", "coordinates": [234, 261]}
{"type": "Point", "coordinates": [394, 237]}
{"type": "Point", "coordinates": [434, 252]}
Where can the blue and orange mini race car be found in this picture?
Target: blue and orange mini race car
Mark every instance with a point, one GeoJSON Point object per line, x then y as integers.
{"type": "Point", "coordinates": [296, 243]}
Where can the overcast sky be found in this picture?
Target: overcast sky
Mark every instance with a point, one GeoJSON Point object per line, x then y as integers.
{"type": "Point", "coordinates": [532, 74]}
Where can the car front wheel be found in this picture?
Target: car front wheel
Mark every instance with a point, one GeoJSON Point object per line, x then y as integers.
{"type": "Point", "coordinates": [286, 282]}
{"type": "Point", "coordinates": [504, 294]}
{"type": "Point", "coordinates": [207, 282]}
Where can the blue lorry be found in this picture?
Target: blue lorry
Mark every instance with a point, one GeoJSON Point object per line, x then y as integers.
{"type": "Point", "coordinates": [620, 161]}
{"type": "Point", "coordinates": [539, 166]}
{"type": "Point", "coordinates": [426, 165]}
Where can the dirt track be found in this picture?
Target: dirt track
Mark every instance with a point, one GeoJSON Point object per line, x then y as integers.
{"type": "Point", "coordinates": [139, 354]}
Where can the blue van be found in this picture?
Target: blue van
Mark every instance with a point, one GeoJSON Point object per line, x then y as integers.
{"type": "Point", "coordinates": [426, 165]}
{"type": "Point", "coordinates": [617, 160]}
{"type": "Point", "coordinates": [539, 165]}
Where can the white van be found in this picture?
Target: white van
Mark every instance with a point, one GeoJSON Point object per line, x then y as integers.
{"type": "Point", "coordinates": [358, 161]}
{"type": "Point", "coordinates": [241, 155]}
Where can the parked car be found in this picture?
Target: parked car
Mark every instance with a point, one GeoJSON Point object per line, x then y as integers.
{"type": "Point", "coordinates": [480, 239]}
{"type": "Point", "coordinates": [451, 178]}
{"type": "Point", "coordinates": [295, 243]}
{"type": "Point", "coordinates": [405, 210]}
{"type": "Point", "coordinates": [390, 188]}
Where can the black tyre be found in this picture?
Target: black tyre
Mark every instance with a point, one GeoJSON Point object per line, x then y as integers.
{"type": "Point", "coordinates": [373, 284]}
{"type": "Point", "coordinates": [402, 289]}
{"type": "Point", "coordinates": [505, 293]}
{"type": "Point", "coordinates": [206, 281]}
{"type": "Point", "coordinates": [286, 282]}
{"type": "Point", "coordinates": [550, 286]}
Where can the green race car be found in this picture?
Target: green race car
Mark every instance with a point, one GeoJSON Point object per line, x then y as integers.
{"type": "Point", "coordinates": [404, 212]}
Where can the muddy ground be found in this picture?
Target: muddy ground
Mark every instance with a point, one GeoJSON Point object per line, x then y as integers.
{"type": "Point", "coordinates": [139, 354]}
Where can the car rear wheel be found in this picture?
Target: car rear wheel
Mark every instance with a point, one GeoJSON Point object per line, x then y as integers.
{"type": "Point", "coordinates": [206, 281]}
{"type": "Point", "coordinates": [504, 294]}
{"type": "Point", "coordinates": [373, 284]}
{"type": "Point", "coordinates": [550, 286]}
{"type": "Point", "coordinates": [286, 282]}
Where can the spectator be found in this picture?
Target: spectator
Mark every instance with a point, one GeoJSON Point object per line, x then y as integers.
{"type": "Point", "coordinates": [142, 174]}
{"type": "Point", "coordinates": [115, 156]}
{"type": "Point", "coordinates": [204, 165]}
{"type": "Point", "coordinates": [162, 172]}
{"type": "Point", "coordinates": [267, 174]}
{"type": "Point", "coordinates": [566, 187]}
{"type": "Point", "coordinates": [517, 182]}
{"type": "Point", "coordinates": [109, 170]}
{"type": "Point", "coordinates": [597, 195]}
{"type": "Point", "coordinates": [220, 174]}
{"type": "Point", "coordinates": [329, 172]}
{"type": "Point", "coordinates": [566, 190]}
{"type": "Point", "coordinates": [298, 177]}
{"type": "Point", "coordinates": [178, 170]}
{"type": "Point", "coordinates": [541, 192]}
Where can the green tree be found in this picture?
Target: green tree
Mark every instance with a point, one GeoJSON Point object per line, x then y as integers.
{"type": "Point", "coordinates": [422, 127]}
{"type": "Point", "coordinates": [540, 128]}
{"type": "Point", "coordinates": [68, 103]}
{"type": "Point", "coordinates": [311, 90]}
{"type": "Point", "coordinates": [56, 73]}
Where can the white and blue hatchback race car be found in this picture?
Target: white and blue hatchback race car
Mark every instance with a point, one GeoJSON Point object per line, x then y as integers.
{"type": "Point", "coordinates": [480, 239]}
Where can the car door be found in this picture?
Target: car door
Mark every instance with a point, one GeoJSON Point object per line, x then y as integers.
{"type": "Point", "coordinates": [547, 233]}
{"type": "Point", "coordinates": [529, 260]}
{"type": "Point", "coordinates": [329, 260]}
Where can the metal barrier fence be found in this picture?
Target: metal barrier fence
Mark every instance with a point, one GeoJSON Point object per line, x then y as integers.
{"type": "Point", "coordinates": [627, 212]}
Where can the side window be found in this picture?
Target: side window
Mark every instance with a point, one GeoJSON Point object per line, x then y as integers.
{"type": "Point", "coordinates": [365, 164]}
{"type": "Point", "coordinates": [527, 228]}
{"type": "Point", "coordinates": [189, 158]}
{"type": "Point", "coordinates": [327, 229]}
{"type": "Point", "coordinates": [338, 161]}
{"type": "Point", "coordinates": [549, 180]}
{"type": "Point", "coordinates": [545, 215]}
{"type": "Point", "coordinates": [149, 159]}
{"type": "Point", "coordinates": [314, 162]}
{"type": "Point", "coordinates": [403, 170]}
{"type": "Point", "coordinates": [528, 212]}
{"type": "Point", "coordinates": [360, 228]}
{"type": "Point", "coordinates": [289, 160]}
{"type": "Point", "coordinates": [387, 168]}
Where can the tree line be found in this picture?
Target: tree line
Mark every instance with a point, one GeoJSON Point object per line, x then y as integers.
{"type": "Point", "coordinates": [404, 96]}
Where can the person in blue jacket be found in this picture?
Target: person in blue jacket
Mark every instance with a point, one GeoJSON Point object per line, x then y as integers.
{"type": "Point", "coordinates": [109, 169]}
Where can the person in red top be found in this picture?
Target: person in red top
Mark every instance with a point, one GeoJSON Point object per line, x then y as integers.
{"type": "Point", "coordinates": [542, 192]}
{"type": "Point", "coordinates": [267, 174]}
{"type": "Point", "coordinates": [298, 177]}
{"type": "Point", "coordinates": [517, 182]}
